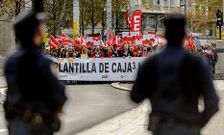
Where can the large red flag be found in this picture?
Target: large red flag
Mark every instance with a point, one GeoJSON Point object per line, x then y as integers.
{"type": "Point", "coordinates": [136, 21]}
{"type": "Point", "coordinates": [51, 44]}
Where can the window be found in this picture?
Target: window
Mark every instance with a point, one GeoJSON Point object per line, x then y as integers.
{"type": "Point", "coordinates": [165, 3]}
{"type": "Point", "coordinates": [160, 22]}
{"type": "Point", "coordinates": [172, 3]}
{"type": "Point", "coordinates": [181, 2]}
{"type": "Point", "coordinates": [144, 22]}
{"type": "Point", "coordinates": [152, 22]}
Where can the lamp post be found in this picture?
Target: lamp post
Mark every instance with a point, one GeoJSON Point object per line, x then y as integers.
{"type": "Point", "coordinates": [207, 34]}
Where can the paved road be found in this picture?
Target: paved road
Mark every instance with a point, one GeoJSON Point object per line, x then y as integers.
{"type": "Point", "coordinates": [102, 110]}
{"type": "Point", "coordinates": [134, 122]}
{"type": "Point", "coordinates": [87, 106]}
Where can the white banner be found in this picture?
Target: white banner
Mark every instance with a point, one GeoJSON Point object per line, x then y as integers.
{"type": "Point", "coordinates": [138, 42]}
{"type": "Point", "coordinates": [125, 34]}
{"type": "Point", "coordinates": [98, 69]}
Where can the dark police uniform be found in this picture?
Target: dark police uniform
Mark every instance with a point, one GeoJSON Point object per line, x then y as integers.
{"type": "Point", "coordinates": [173, 80]}
{"type": "Point", "coordinates": [35, 97]}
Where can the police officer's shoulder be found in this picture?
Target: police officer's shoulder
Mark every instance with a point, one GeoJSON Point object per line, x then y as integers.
{"type": "Point", "coordinates": [48, 64]}
{"type": "Point", "coordinates": [45, 61]}
{"type": "Point", "coordinates": [150, 61]}
{"type": "Point", "coordinates": [195, 60]}
{"type": "Point", "coordinates": [194, 57]}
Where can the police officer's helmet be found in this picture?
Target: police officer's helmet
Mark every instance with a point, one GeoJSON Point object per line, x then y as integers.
{"type": "Point", "coordinates": [26, 24]}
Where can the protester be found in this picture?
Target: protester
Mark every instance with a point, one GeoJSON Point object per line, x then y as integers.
{"type": "Point", "coordinates": [174, 81]}
{"type": "Point", "coordinates": [109, 52]}
{"type": "Point", "coordinates": [123, 51]}
{"type": "Point", "coordinates": [115, 51]}
{"type": "Point", "coordinates": [127, 49]}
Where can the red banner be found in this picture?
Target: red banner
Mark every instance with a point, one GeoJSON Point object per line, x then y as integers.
{"type": "Point", "coordinates": [136, 21]}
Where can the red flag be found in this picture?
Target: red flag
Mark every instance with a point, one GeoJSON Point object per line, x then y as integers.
{"type": "Point", "coordinates": [78, 40]}
{"type": "Point", "coordinates": [59, 38]}
{"type": "Point", "coordinates": [65, 39]}
{"type": "Point", "coordinates": [128, 19]}
{"type": "Point", "coordinates": [118, 40]}
{"type": "Point", "coordinates": [109, 42]}
{"type": "Point", "coordinates": [135, 48]}
{"type": "Point", "coordinates": [64, 35]}
{"type": "Point", "coordinates": [110, 35]}
{"type": "Point", "coordinates": [190, 42]}
{"type": "Point", "coordinates": [53, 42]}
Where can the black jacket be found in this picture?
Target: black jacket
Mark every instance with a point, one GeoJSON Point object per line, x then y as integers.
{"type": "Point", "coordinates": [174, 80]}
{"type": "Point", "coordinates": [31, 83]}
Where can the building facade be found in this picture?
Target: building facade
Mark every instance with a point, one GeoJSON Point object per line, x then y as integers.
{"type": "Point", "coordinates": [154, 11]}
{"type": "Point", "coordinates": [7, 40]}
{"type": "Point", "coordinates": [153, 14]}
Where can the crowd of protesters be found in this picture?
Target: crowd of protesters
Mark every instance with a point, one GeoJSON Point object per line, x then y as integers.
{"type": "Point", "coordinates": [125, 50]}
{"type": "Point", "coordinates": [208, 52]}
{"type": "Point", "coordinates": [103, 51]}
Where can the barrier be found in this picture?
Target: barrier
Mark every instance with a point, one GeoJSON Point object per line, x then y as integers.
{"type": "Point", "coordinates": [98, 69]}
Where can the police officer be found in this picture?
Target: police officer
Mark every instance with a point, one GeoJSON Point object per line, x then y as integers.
{"type": "Point", "coordinates": [173, 80]}
{"type": "Point", "coordinates": [35, 97]}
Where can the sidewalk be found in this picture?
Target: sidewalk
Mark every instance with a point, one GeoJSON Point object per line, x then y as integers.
{"type": "Point", "coordinates": [2, 82]}
{"type": "Point", "coordinates": [219, 84]}
{"type": "Point", "coordinates": [135, 122]}
{"type": "Point", "coordinates": [2, 89]}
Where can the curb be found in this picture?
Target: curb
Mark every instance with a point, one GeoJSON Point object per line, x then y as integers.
{"type": "Point", "coordinates": [118, 86]}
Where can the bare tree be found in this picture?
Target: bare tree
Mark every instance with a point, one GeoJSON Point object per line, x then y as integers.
{"type": "Point", "coordinates": [11, 8]}
{"type": "Point", "coordinates": [59, 15]}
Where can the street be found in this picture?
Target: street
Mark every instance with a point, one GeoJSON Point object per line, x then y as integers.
{"type": "Point", "coordinates": [156, 44]}
{"type": "Point", "coordinates": [134, 122]}
{"type": "Point", "coordinates": [87, 106]}
{"type": "Point", "coordinates": [103, 110]}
